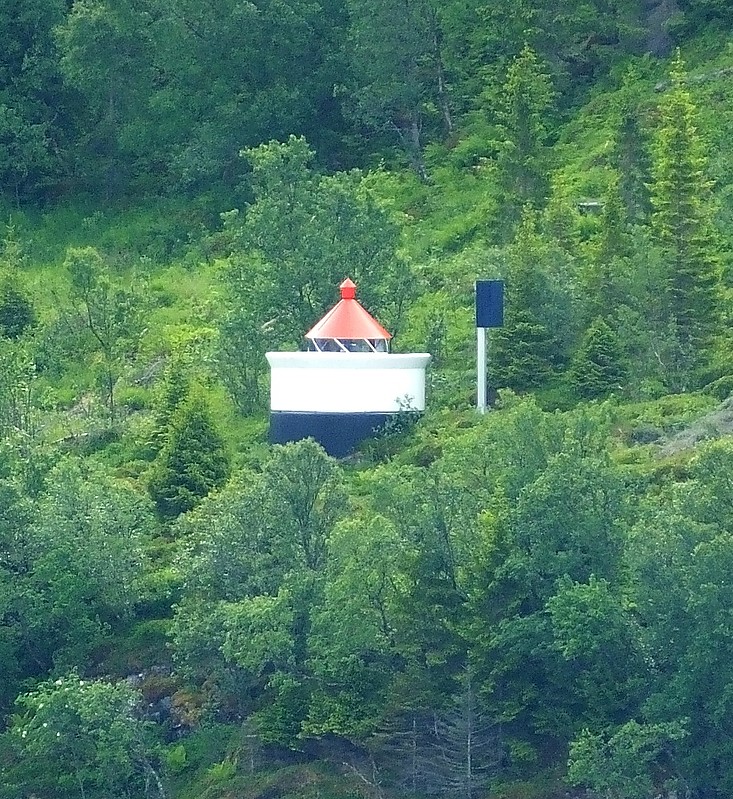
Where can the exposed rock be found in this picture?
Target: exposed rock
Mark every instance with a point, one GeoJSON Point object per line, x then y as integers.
{"type": "Point", "coordinates": [716, 424]}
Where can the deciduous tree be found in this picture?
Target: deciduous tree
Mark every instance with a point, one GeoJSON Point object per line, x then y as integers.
{"type": "Point", "coordinates": [106, 314]}
{"type": "Point", "coordinates": [621, 765]}
{"type": "Point", "coordinates": [292, 247]}
{"type": "Point", "coordinates": [35, 108]}
{"type": "Point", "coordinates": [396, 70]}
{"type": "Point", "coordinates": [77, 737]}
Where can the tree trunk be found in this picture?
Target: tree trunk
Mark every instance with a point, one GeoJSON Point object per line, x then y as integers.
{"type": "Point", "coordinates": [409, 134]}
{"type": "Point", "coordinates": [443, 101]}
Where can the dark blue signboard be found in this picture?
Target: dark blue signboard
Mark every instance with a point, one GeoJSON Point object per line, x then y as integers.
{"type": "Point", "coordinates": [489, 303]}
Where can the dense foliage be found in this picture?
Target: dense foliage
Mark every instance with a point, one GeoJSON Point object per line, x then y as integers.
{"type": "Point", "coordinates": [530, 603]}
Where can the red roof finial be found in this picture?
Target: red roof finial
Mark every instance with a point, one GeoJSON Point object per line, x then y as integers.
{"type": "Point", "coordinates": [348, 289]}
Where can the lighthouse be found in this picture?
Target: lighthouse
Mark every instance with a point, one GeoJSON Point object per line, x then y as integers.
{"type": "Point", "coordinates": [347, 385]}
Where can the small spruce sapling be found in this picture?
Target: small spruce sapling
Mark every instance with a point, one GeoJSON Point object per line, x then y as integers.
{"type": "Point", "coordinates": [193, 462]}
{"type": "Point", "coordinates": [598, 366]}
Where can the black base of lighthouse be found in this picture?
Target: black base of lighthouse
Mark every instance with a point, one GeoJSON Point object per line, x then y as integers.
{"type": "Point", "coordinates": [337, 433]}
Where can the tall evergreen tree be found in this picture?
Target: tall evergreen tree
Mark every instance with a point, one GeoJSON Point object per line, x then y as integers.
{"type": "Point", "coordinates": [527, 348]}
{"type": "Point", "coordinates": [682, 218]}
{"type": "Point", "coordinates": [172, 393]}
{"type": "Point", "coordinates": [16, 310]}
{"type": "Point", "coordinates": [175, 390]}
{"type": "Point", "coordinates": [524, 111]}
{"type": "Point", "coordinates": [614, 239]}
{"type": "Point", "coordinates": [630, 149]}
{"type": "Point", "coordinates": [579, 44]}
{"type": "Point", "coordinates": [193, 462]}
{"type": "Point", "coordinates": [605, 278]}
{"type": "Point", "coordinates": [17, 313]}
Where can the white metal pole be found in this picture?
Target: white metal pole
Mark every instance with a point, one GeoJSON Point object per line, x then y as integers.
{"type": "Point", "coordinates": [481, 369]}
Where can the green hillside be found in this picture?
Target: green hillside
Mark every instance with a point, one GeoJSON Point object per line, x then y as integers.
{"type": "Point", "coordinates": [533, 603]}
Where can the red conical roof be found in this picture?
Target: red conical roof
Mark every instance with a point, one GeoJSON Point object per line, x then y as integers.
{"type": "Point", "coordinates": [348, 319]}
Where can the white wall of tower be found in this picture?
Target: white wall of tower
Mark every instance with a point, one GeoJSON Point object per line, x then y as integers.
{"type": "Point", "coordinates": [339, 382]}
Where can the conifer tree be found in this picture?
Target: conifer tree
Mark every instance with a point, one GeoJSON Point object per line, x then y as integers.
{"type": "Point", "coordinates": [174, 391]}
{"type": "Point", "coordinates": [598, 366]}
{"type": "Point", "coordinates": [527, 349]}
{"type": "Point", "coordinates": [172, 394]}
{"type": "Point", "coordinates": [614, 239]}
{"type": "Point", "coordinates": [608, 267]}
{"type": "Point", "coordinates": [193, 462]}
{"type": "Point", "coordinates": [524, 111]}
{"type": "Point", "coordinates": [561, 220]}
{"type": "Point", "coordinates": [17, 382]}
{"type": "Point", "coordinates": [630, 154]}
{"type": "Point", "coordinates": [682, 218]}
{"type": "Point", "coordinates": [631, 157]}
{"type": "Point", "coordinates": [449, 752]}
{"type": "Point", "coordinates": [17, 313]}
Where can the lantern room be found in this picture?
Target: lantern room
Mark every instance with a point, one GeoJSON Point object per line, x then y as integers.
{"type": "Point", "coordinates": [348, 327]}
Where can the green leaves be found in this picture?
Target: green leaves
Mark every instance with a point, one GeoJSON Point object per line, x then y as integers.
{"type": "Point", "coordinates": [89, 524]}
{"type": "Point", "coordinates": [103, 315]}
{"type": "Point", "coordinates": [396, 70]}
{"type": "Point", "coordinates": [33, 104]}
{"type": "Point", "coordinates": [357, 634]}
{"type": "Point", "coordinates": [71, 567]}
{"type": "Point", "coordinates": [621, 766]}
{"type": "Point", "coordinates": [597, 636]}
{"type": "Point", "coordinates": [529, 347]}
{"type": "Point", "coordinates": [288, 252]}
{"type": "Point", "coordinates": [79, 735]}
{"type": "Point", "coordinates": [254, 561]}
{"type": "Point", "coordinates": [17, 313]}
{"type": "Point", "coordinates": [311, 232]}
{"type": "Point", "coordinates": [575, 607]}
{"type": "Point", "coordinates": [304, 490]}
{"type": "Point", "coordinates": [86, 559]}
{"type": "Point", "coordinates": [259, 634]}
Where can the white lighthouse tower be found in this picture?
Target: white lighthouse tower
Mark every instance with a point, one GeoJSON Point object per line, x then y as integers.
{"type": "Point", "coordinates": [347, 385]}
